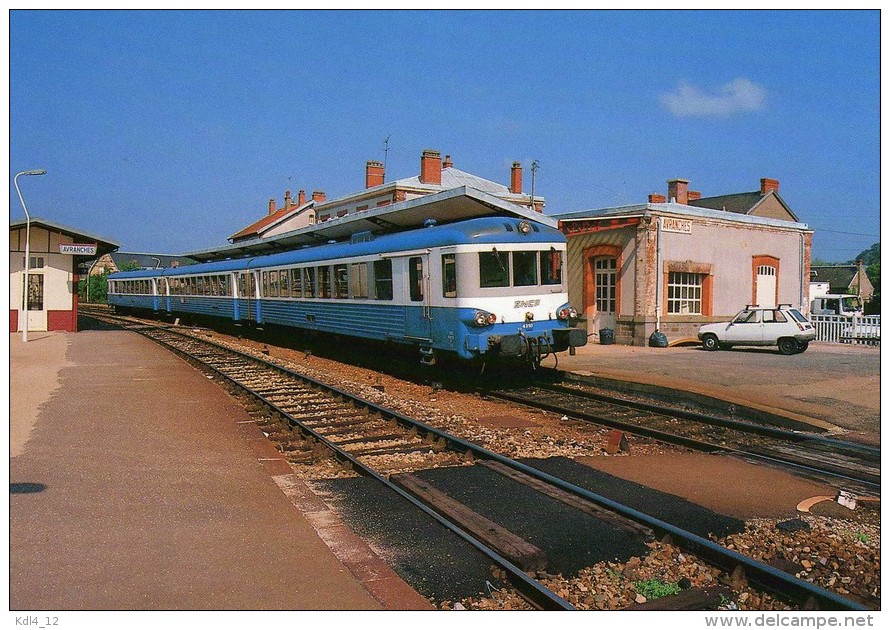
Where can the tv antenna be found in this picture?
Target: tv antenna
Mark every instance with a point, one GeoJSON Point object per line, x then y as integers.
{"type": "Point", "coordinates": [385, 152]}
{"type": "Point", "coordinates": [535, 167]}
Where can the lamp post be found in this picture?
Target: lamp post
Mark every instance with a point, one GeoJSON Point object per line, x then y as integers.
{"type": "Point", "coordinates": [15, 182]}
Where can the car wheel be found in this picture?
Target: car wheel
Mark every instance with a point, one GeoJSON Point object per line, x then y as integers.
{"type": "Point", "coordinates": [802, 345]}
{"type": "Point", "coordinates": [710, 343]}
{"type": "Point", "coordinates": [787, 345]}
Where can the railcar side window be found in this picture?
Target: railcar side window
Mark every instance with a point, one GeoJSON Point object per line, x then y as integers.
{"type": "Point", "coordinates": [449, 275]}
{"type": "Point", "coordinates": [383, 279]}
{"type": "Point", "coordinates": [225, 287]}
{"type": "Point", "coordinates": [493, 269]}
{"type": "Point", "coordinates": [341, 281]}
{"type": "Point", "coordinates": [273, 284]}
{"type": "Point", "coordinates": [242, 284]}
{"type": "Point", "coordinates": [415, 278]}
{"type": "Point", "coordinates": [309, 282]}
{"type": "Point", "coordinates": [525, 269]}
{"type": "Point", "coordinates": [296, 278]}
{"type": "Point", "coordinates": [265, 286]}
{"type": "Point", "coordinates": [324, 282]}
{"type": "Point", "coordinates": [359, 280]}
{"type": "Point", "coordinates": [284, 285]}
{"type": "Point", "coordinates": [551, 267]}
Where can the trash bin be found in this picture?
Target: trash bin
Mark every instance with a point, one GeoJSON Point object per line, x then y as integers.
{"type": "Point", "coordinates": [607, 336]}
{"type": "Point", "coordinates": [658, 340]}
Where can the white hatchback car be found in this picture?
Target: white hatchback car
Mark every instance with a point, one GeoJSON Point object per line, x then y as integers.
{"type": "Point", "coordinates": [781, 326]}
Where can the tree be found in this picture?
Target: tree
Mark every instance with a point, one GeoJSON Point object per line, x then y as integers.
{"type": "Point", "coordinates": [98, 286]}
{"type": "Point", "coordinates": [871, 258]}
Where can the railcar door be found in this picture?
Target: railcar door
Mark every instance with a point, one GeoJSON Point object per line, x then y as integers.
{"type": "Point", "coordinates": [418, 313]}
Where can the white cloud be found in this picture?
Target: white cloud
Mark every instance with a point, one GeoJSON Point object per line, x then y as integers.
{"type": "Point", "coordinates": [740, 95]}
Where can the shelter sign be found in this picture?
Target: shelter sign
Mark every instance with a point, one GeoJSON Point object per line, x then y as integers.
{"type": "Point", "coordinates": [78, 249]}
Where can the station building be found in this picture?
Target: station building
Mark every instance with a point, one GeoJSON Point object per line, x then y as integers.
{"type": "Point", "coordinates": [56, 252]}
{"type": "Point", "coordinates": [683, 260]}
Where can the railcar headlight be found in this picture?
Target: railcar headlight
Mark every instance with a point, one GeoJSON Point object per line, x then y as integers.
{"type": "Point", "coordinates": [566, 312]}
{"type": "Point", "coordinates": [525, 227]}
{"type": "Point", "coordinates": [484, 318]}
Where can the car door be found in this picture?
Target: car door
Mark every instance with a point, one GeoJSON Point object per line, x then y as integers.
{"type": "Point", "coordinates": [775, 325]}
{"type": "Point", "coordinates": [746, 328]}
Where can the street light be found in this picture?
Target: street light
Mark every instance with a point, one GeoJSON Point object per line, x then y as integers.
{"type": "Point", "coordinates": [15, 181]}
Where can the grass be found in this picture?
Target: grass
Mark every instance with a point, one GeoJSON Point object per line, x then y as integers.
{"type": "Point", "coordinates": [653, 589]}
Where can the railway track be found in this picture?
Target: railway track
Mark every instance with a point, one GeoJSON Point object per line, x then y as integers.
{"type": "Point", "coordinates": [847, 465]}
{"type": "Point", "coordinates": [309, 419]}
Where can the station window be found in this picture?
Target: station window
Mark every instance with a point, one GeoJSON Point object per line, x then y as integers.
{"type": "Point", "coordinates": [493, 269]}
{"type": "Point", "coordinates": [684, 293]}
{"type": "Point", "coordinates": [525, 269]}
{"type": "Point", "coordinates": [449, 275]}
{"type": "Point", "coordinates": [35, 292]}
{"type": "Point", "coordinates": [383, 279]}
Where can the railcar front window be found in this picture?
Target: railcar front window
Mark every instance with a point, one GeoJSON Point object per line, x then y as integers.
{"type": "Point", "coordinates": [525, 269]}
{"type": "Point", "coordinates": [551, 267]}
{"type": "Point", "coordinates": [494, 269]}
{"type": "Point", "coordinates": [449, 275]}
{"type": "Point", "coordinates": [383, 279]}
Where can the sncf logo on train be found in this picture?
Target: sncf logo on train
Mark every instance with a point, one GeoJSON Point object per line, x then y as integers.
{"type": "Point", "coordinates": [526, 303]}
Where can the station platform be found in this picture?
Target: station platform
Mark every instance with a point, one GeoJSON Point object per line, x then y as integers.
{"type": "Point", "coordinates": [831, 387]}
{"type": "Point", "coordinates": [136, 483]}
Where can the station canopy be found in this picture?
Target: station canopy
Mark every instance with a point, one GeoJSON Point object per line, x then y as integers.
{"type": "Point", "coordinates": [449, 206]}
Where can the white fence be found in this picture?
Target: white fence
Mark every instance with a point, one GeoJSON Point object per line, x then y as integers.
{"type": "Point", "coordinates": [838, 329]}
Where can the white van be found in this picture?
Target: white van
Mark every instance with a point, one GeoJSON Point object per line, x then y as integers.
{"type": "Point", "coordinates": [846, 305]}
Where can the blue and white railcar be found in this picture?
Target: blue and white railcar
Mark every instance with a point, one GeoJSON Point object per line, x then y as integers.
{"type": "Point", "coordinates": [478, 288]}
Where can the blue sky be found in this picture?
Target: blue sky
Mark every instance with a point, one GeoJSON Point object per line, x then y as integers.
{"type": "Point", "coordinates": [169, 131]}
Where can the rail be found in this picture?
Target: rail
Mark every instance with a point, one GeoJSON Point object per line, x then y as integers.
{"type": "Point", "coordinates": [864, 329]}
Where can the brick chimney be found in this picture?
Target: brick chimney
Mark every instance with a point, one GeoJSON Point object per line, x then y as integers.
{"type": "Point", "coordinates": [678, 191]}
{"type": "Point", "coordinates": [431, 167]}
{"type": "Point", "coordinates": [288, 201]}
{"type": "Point", "coordinates": [318, 195]}
{"type": "Point", "coordinates": [693, 195]}
{"type": "Point", "coordinates": [516, 178]}
{"type": "Point", "coordinates": [373, 173]}
{"type": "Point", "coordinates": [767, 185]}
{"type": "Point", "coordinates": [301, 197]}
{"type": "Point", "coordinates": [656, 198]}
{"type": "Point", "coordinates": [272, 206]}
{"type": "Point", "coordinates": [447, 163]}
